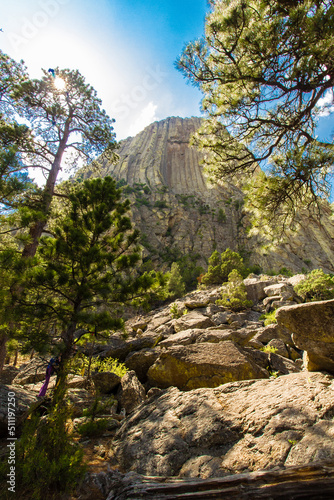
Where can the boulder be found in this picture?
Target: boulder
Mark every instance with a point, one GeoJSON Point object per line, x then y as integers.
{"type": "Point", "coordinates": [297, 278]}
{"type": "Point", "coordinates": [140, 324]}
{"type": "Point", "coordinates": [141, 361]}
{"type": "Point", "coordinates": [316, 445]}
{"type": "Point", "coordinates": [195, 303]}
{"type": "Point", "coordinates": [277, 304]}
{"type": "Point", "coordinates": [255, 289]}
{"type": "Point", "coordinates": [79, 400]}
{"type": "Point", "coordinates": [76, 381]}
{"type": "Point", "coordinates": [159, 320]}
{"type": "Point", "coordinates": [23, 400]}
{"type": "Point", "coordinates": [238, 427]}
{"type": "Point", "coordinates": [278, 289]}
{"type": "Point", "coordinates": [203, 365]}
{"type": "Point", "coordinates": [269, 300]}
{"type": "Point", "coordinates": [312, 327]}
{"type": "Point", "coordinates": [32, 372]}
{"type": "Point", "coordinates": [280, 347]}
{"type": "Point", "coordinates": [220, 317]}
{"type": "Point", "coordinates": [273, 331]}
{"type": "Point", "coordinates": [192, 320]}
{"type": "Point", "coordinates": [279, 365]}
{"type": "Point", "coordinates": [119, 348]}
{"type": "Point", "coordinates": [185, 337]}
{"type": "Point", "coordinates": [105, 382]}
{"type": "Point", "coordinates": [8, 374]}
{"type": "Point", "coordinates": [240, 336]}
{"type": "Point", "coordinates": [132, 392]}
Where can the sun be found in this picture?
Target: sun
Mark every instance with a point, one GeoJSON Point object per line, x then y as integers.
{"type": "Point", "coordinates": [59, 83]}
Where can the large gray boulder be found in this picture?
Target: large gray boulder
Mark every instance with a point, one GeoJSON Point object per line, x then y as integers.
{"type": "Point", "coordinates": [255, 288]}
{"type": "Point", "coordinates": [8, 374]}
{"type": "Point", "coordinates": [132, 392]}
{"type": "Point", "coordinates": [194, 319]}
{"type": "Point", "coordinates": [119, 348]}
{"type": "Point", "coordinates": [312, 327]}
{"type": "Point", "coordinates": [140, 362]}
{"type": "Point", "coordinates": [273, 331]}
{"type": "Point", "coordinates": [203, 365]}
{"type": "Point", "coordinates": [23, 400]}
{"type": "Point", "coordinates": [105, 382]}
{"type": "Point", "coordinates": [31, 373]}
{"type": "Point", "coordinates": [237, 427]}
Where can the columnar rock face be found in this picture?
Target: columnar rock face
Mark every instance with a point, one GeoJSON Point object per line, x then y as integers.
{"type": "Point", "coordinates": [177, 209]}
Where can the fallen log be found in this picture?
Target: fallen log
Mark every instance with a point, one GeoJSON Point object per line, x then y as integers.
{"type": "Point", "coordinates": [309, 482]}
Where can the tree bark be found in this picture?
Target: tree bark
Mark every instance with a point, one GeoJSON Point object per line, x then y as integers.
{"type": "Point", "coordinates": [38, 226]}
{"type": "Point", "coordinates": [312, 482]}
{"type": "Point", "coordinates": [3, 350]}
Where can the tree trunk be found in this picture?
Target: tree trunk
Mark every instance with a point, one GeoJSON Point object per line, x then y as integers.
{"type": "Point", "coordinates": [3, 350]}
{"type": "Point", "coordinates": [60, 389]}
{"type": "Point", "coordinates": [312, 482]}
{"type": "Point", "coordinates": [37, 228]}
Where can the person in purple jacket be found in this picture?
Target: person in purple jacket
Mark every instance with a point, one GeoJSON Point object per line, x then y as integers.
{"type": "Point", "coordinates": [53, 366]}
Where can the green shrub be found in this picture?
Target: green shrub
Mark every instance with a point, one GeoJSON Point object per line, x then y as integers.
{"type": "Point", "coordinates": [269, 318]}
{"type": "Point", "coordinates": [160, 204]}
{"type": "Point", "coordinates": [98, 407]}
{"type": "Point", "coordinates": [269, 348]}
{"type": "Point", "coordinates": [234, 294]}
{"type": "Point", "coordinates": [221, 215]}
{"type": "Point", "coordinates": [220, 266]}
{"type": "Point", "coordinates": [316, 286]}
{"type": "Point", "coordinates": [175, 312]}
{"type": "Point", "coordinates": [79, 366]}
{"type": "Point", "coordinates": [285, 272]}
{"type": "Point", "coordinates": [175, 284]}
{"type": "Point", "coordinates": [93, 428]}
{"type": "Point", "coordinates": [107, 365]}
{"type": "Point", "coordinates": [48, 462]}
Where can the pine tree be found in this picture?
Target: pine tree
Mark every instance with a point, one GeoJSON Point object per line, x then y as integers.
{"type": "Point", "coordinates": [82, 275]}
{"type": "Point", "coordinates": [266, 72]}
{"type": "Point", "coordinates": [63, 115]}
{"type": "Point", "coordinates": [64, 121]}
{"type": "Point", "coordinates": [213, 274]}
{"type": "Point", "coordinates": [175, 285]}
{"type": "Point", "coordinates": [220, 266]}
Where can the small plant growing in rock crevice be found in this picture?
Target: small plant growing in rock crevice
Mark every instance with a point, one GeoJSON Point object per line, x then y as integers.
{"type": "Point", "coordinates": [175, 312]}
{"type": "Point", "coordinates": [269, 349]}
{"type": "Point", "coordinates": [269, 318]}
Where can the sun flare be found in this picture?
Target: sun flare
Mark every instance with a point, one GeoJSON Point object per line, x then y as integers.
{"type": "Point", "coordinates": [59, 83]}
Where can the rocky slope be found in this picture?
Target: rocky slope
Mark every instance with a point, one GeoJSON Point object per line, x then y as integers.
{"type": "Point", "coordinates": [213, 393]}
{"type": "Point", "coordinates": [180, 213]}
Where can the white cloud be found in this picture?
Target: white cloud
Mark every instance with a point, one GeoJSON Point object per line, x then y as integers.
{"type": "Point", "coordinates": [146, 117]}
{"type": "Point", "coordinates": [326, 104]}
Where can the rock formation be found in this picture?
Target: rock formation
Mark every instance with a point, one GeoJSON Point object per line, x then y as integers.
{"type": "Point", "coordinates": [236, 427]}
{"type": "Point", "coordinates": [213, 393]}
{"type": "Point", "coordinates": [313, 331]}
{"type": "Point", "coordinates": [180, 213]}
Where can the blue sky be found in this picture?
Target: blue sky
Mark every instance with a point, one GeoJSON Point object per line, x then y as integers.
{"type": "Point", "coordinates": [125, 49]}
